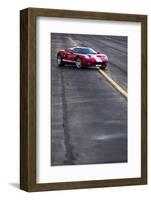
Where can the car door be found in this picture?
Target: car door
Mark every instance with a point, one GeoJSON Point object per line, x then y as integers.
{"type": "Point", "coordinates": [70, 56]}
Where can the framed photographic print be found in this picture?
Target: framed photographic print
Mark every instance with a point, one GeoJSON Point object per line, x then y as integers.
{"type": "Point", "coordinates": [83, 99]}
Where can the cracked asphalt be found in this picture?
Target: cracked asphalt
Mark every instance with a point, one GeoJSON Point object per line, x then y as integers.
{"type": "Point", "coordinates": [88, 115]}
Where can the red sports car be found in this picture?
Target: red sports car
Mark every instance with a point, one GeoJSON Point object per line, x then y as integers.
{"type": "Point", "coordinates": [82, 57]}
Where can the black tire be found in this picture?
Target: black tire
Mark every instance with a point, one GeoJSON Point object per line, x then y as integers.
{"type": "Point", "coordinates": [78, 63]}
{"type": "Point", "coordinates": [103, 67]}
{"type": "Point", "coordinates": [60, 61]}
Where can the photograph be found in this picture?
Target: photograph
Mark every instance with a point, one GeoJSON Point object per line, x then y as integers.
{"type": "Point", "coordinates": [89, 95]}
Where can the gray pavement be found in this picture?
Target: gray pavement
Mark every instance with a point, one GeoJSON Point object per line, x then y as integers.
{"type": "Point", "coordinates": [88, 115]}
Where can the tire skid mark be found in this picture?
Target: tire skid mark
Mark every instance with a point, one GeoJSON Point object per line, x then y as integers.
{"type": "Point", "coordinates": [69, 148]}
{"type": "Point", "coordinates": [74, 43]}
{"type": "Point", "coordinates": [123, 71]}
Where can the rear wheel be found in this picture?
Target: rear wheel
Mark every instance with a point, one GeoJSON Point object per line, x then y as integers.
{"type": "Point", "coordinates": [78, 63]}
{"type": "Point", "coordinates": [59, 61]}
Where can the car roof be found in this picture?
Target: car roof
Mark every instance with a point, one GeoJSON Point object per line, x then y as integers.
{"type": "Point", "coordinates": [81, 48]}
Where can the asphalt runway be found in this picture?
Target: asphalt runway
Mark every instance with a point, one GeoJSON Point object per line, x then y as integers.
{"type": "Point", "coordinates": [88, 114]}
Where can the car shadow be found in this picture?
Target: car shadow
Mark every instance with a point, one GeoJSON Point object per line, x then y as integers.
{"type": "Point", "coordinates": [73, 67]}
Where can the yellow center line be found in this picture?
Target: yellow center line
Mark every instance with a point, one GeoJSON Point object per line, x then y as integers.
{"type": "Point", "coordinates": [119, 88]}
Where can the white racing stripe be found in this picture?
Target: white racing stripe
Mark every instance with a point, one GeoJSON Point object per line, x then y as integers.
{"type": "Point", "coordinates": [98, 59]}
